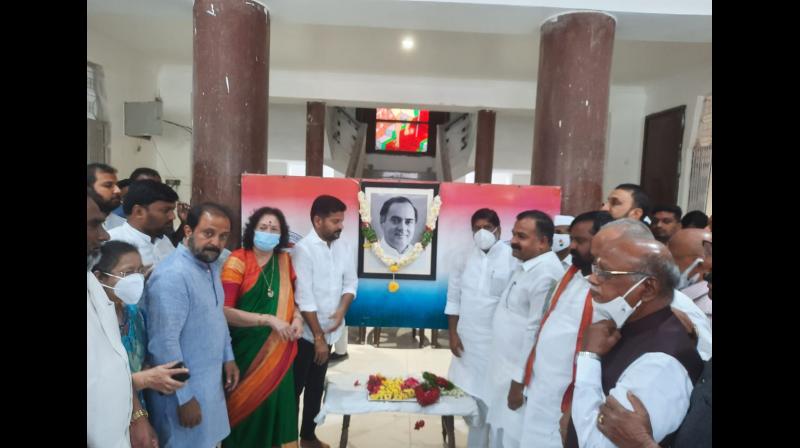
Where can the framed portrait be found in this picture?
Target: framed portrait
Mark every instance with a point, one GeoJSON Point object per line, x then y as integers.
{"type": "Point", "coordinates": [399, 212]}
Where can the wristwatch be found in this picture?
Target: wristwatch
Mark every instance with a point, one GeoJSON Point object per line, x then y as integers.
{"type": "Point", "coordinates": [590, 355]}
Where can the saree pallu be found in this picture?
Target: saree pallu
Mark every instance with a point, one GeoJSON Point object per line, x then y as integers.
{"type": "Point", "coordinates": [262, 409]}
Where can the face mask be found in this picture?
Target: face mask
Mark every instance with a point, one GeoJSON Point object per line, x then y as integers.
{"type": "Point", "coordinates": [560, 242]}
{"type": "Point", "coordinates": [618, 309]}
{"type": "Point", "coordinates": [266, 241]}
{"type": "Point", "coordinates": [129, 288]}
{"type": "Point", "coordinates": [484, 239]}
{"type": "Point", "coordinates": [684, 280]}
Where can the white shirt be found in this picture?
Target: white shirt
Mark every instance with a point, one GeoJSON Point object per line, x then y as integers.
{"type": "Point", "coordinates": [515, 325]}
{"type": "Point", "coordinates": [659, 380]}
{"type": "Point", "coordinates": [473, 291]}
{"type": "Point", "coordinates": [567, 261]}
{"type": "Point", "coordinates": [152, 252]}
{"type": "Point", "coordinates": [552, 367]}
{"type": "Point", "coordinates": [698, 292]}
{"type": "Point", "coordinates": [702, 324]}
{"type": "Point", "coordinates": [108, 377]}
{"type": "Point", "coordinates": [113, 221]}
{"type": "Point", "coordinates": [324, 275]}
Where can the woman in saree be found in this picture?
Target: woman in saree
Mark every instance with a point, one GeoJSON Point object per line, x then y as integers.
{"type": "Point", "coordinates": [264, 326]}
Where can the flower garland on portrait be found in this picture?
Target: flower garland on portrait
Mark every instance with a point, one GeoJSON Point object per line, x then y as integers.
{"type": "Point", "coordinates": [371, 238]}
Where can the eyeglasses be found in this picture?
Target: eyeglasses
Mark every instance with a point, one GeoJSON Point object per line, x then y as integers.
{"type": "Point", "coordinates": [123, 274]}
{"type": "Point", "coordinates": [605, 275]}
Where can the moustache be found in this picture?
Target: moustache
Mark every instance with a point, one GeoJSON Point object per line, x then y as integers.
{"type": "Point", "coordinates": [212, 249]}
{"type": "Point", "coordinates": [516, 246]}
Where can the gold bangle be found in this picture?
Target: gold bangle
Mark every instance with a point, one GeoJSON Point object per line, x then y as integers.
{"type": "Point", "coordinates": [139, 414]}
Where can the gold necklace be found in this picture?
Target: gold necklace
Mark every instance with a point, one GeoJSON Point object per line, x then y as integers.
{"type": "Point", "coordinates": [270, 292]}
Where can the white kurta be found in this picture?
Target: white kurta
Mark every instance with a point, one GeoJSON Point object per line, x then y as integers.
{"type": "Point", "coordinates": [552, 369]}
{"type": "Point", "coordinates": [152, 251]}
{"type": "Point", "coordinates": [701, 323]}
{"type": "Point", "coordinates": [657, 379]}
{"type": "Point", "coordinates": [109, 395]}
{"type": "Point", "coordinates": [473, 291]}
{"type": "Point", "coordinates": [515, 325]}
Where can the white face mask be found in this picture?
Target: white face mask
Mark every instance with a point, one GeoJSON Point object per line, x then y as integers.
{"type": "Point", "coordinates": [484, 239]}
{"type": "Point", "coordinates": [129, 289]}
{"type": "Point", "coordinates": [560, 242]}
{"type": "Point", "coordinates": [618, 309]}
{"type": "Point", "coordinates": [684, 280]}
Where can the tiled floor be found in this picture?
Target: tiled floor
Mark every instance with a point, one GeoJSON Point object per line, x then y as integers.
{"type": "Point", "coordinates": [398, 355]}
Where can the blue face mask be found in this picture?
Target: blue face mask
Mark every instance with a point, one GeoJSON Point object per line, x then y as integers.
{"type": "Point", "coordinates": [266, 241]}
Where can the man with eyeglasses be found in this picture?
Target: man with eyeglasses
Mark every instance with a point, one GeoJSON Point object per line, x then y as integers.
{"type": "Point", "coordinates": [474, 288]}
{"type": "Point", "coordinates": [639, 345]}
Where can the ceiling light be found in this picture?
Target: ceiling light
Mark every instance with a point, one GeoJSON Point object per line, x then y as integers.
{"type": "Point", "coordinates": [408, 44]}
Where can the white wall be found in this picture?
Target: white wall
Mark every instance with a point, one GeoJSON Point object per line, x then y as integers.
{"type": "Point", "coordinates": [286, 138]}
{"type": "Point", "coordinates": [129, 76]}
{"type": "Point", "coordinates": [686, 88]}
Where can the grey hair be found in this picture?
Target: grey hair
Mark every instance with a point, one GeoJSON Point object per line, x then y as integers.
{"type": "Point", "coordinates": [664, 270]}
{"type": "Point", "coordinates": [631, 228]}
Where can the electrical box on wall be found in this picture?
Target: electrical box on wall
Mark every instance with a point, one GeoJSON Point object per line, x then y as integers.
{"type": "Point", "coordinates": [143, 120]}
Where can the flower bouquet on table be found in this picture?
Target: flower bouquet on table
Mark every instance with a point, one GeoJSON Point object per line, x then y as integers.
{"type": "Point", "coordinates": [425, 391]}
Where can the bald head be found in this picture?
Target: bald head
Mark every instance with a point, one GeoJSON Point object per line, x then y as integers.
{"type": "Point", "coordinates": [645, 255]}
{"type": "Point", "coordinates": [621, 228]}
{"type": "Point", "coordinates": [686, 246]}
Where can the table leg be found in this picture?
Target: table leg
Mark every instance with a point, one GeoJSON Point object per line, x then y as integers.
{"type": "Point", "coordinates": [362, 335]}
{"type": "Point", "coordinates": [435, 338]}
{"type": "Point", "coordinates": [376, 336]}
{"type": "Point", "coordinates": [345, 430]}
{"type": "Point", "coordinates": [449, 421]}
{"type": "Point", "coordinates": [421, 337]}
{"type": "Point", "coordinates": [444, 431]}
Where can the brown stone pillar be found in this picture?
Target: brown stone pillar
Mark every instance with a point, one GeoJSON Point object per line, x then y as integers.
{"type": "Point", "coordinates": [569, 137]}
{"type": "Point", "coordinates": [484, 147]}
{"type": "Point", "coordinates": [230, 97]}
{"type": "Point", "coordinates": [315, 137]}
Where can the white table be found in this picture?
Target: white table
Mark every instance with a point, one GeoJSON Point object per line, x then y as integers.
{"type": "Point", "coordinates": [343, 398]}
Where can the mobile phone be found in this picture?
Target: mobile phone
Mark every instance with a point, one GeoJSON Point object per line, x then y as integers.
{"type": "Point", "coordinates": [182, 377]}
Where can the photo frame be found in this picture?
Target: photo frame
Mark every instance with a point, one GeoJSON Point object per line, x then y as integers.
{"type": "Point", "coordinates": [399, 212]}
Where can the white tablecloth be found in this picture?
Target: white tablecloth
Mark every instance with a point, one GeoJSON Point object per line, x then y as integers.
{"type": "Point", "coordinates": [342, 397]}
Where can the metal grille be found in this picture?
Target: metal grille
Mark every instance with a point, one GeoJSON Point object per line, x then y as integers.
{"type": "Point", "coordinates": [701, 161]}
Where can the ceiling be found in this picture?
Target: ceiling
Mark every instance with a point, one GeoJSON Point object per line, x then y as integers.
{"type": "Point", "coordinates": [464, 39]}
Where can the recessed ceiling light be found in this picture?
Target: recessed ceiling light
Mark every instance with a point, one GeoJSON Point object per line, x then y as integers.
{"type": "Point", "coordinates": [408, 43]}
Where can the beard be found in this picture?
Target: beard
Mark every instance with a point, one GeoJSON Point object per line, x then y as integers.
{"type": "Point", "coordinates": [581, 263]}
{"type": "Point", "coordinates": [109, 206]}
{"type": "Point", "coordinates": [333, 236]}
{"type": "Point", "coordinates": [207, 254]}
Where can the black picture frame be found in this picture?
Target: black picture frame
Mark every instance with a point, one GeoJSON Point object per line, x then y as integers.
{"type": "Point", "coordinates": [398, 188]}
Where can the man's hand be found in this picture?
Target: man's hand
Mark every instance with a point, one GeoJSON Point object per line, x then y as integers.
{"type": "Point", "coordinates": [142, 434]}
{"type": "Point", "coordinates": [455, 344]}
{"type": "Point", "coordinates": [321, 351]}
{"type": "Point", "coordinates": [600, 337]}
{"type": "Point", "coordinates": [337, 318]}
{"type": "Point", "coordinates": [625, 428]}
{"type": "Point", "coordinates": [160, 378]}
{"type": "Point", "coordinates": [687, 323]}
{"type": "Point", "coordinates": [183, 212]}
{"type": "Point", "coordinates": [189, 414]}
{"type": "Point", "coordinates": [231, 375]}
{"type": "Point", "coordinates": [515, 398]}
{"type": "Point", "coordinates": [563, 426]}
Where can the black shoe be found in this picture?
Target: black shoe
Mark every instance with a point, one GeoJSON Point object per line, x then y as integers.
{"type": "Point", "coordinates": [338, 357]}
